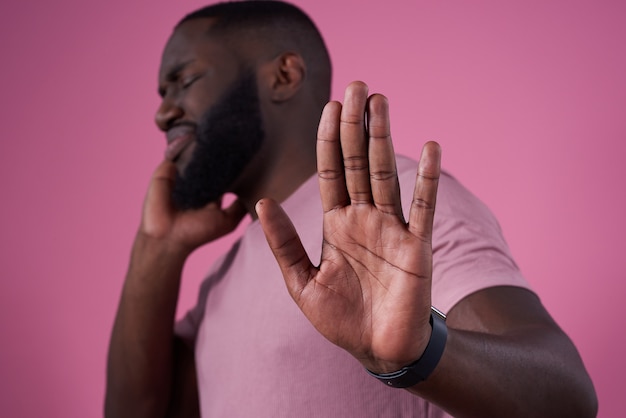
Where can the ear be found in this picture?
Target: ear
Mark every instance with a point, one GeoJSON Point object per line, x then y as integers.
{"type": "Point", "coordinates": [286, 74]}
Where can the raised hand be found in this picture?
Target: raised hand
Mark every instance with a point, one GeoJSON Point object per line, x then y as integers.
{"type": "Point", "coordinates": [187, 229]}
{"type": "Point", "coordinates": [371, 293]}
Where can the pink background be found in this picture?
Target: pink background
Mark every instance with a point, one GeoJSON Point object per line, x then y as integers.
{"type": "Point", "coordinates": [527, 100]}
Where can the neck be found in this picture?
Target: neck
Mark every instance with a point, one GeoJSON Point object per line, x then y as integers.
{"type": "Point", "coordinates": [276, 178]}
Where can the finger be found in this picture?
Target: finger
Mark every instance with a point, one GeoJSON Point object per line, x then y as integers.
{"type": "Point", "coordinates": [354, 143]}
{"type": "Point", "coordinates": [161, 185]}
{"type": "Point", "coordinates": [425, 193]}
{"type": "Point", "coordinates": [286, 246]}
{"type": "Point", "coordinates": [233, 215]}
{"type": "Point", "coordinates": [163, 177]}
{"type": "Point", "coordinates": [382, 159]}
{"type": "Point", "coordinates": [235, 212]}
{"type": "Point", "coordinates": [329, 159]}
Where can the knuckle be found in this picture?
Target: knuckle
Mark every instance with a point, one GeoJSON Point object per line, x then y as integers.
{"type": "Point", "coordinates": [330, 174]}
{"type": "Point", "coordinates": [376, 136]}
{"type": "Point", "coordinates": [360, 197]}
{"type": "Point", "coordinates": [355, 163]}
{"type": "Point", "coordinates": [427, 175]}
{"type": "Point", "coordinates": [382, 175]}
{"type": "Point", "coordinates": [386, 207]}
{"type": "Point", "coordinates": [421, 203]}
{"type": "Point", "coordinates": [352, 119]}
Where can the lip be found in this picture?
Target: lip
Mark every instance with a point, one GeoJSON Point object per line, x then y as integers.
{"type": "Point", "coordinates": [178, 138]}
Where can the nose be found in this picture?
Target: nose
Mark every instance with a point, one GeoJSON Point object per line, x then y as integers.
{"type": "Point", "coordinates": [167, 113]}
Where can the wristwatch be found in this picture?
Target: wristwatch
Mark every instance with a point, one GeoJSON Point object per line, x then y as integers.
{"type": "Point", "coordinates": [420, 369]}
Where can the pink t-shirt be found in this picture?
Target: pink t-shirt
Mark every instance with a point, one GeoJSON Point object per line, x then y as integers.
{"type": "Point", "coordinates": [258, 356]}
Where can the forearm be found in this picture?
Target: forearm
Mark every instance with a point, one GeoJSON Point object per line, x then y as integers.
{"type": "Point", "coordinates": [140, 361]}
{"type": "Point", "coordinates": [530, 373]}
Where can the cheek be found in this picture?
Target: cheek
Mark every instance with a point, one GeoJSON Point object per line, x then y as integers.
{"type": "Point", "coordinates": [196, 108]}
{"type": "Point", "coordinates": [199, 99]}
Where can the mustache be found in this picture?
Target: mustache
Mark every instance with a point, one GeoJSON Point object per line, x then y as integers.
{"type": "Point", "coordinates": [185, 123]}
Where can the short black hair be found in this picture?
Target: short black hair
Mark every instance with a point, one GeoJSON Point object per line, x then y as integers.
{"type": "Point", "coordinates": [278, 25]}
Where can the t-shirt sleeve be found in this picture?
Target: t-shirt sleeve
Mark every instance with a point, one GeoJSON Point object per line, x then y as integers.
{"type": "Point", "coordinates": [469, 250]}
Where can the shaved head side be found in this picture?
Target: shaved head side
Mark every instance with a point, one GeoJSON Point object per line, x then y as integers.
{"type": "Point", "coordinates": [267, 28]}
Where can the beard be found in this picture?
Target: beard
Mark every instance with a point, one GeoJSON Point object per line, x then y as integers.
{"type": "Point", "coordinates": [228, 137]}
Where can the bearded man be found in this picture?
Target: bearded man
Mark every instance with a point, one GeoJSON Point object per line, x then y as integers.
{"type": "Point", "coordinates": [243, 86]}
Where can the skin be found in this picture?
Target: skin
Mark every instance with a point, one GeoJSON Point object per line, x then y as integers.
{"type": "Point", "coordinates": [504, 356]}
{"type": "Point", "coordinates": [149, 371]}
{"type": "Point", "coordinates": [225, 141]}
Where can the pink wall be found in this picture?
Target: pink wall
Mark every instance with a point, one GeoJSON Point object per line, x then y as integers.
{"type": "Point", "coordinates": [527, 100]}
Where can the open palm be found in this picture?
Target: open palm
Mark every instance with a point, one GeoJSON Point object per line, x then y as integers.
{"type": "Point", "coordinates": [371, 292]}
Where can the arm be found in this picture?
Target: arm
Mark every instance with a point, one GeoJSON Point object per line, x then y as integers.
{"type": "Point", "coordinates": [149, 371]}
{"type": "Point", "coordinates": [504, 355]}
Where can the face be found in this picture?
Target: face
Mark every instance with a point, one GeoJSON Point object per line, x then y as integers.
{"type": "Point", "coordinates": [210, 113]}
{"type": "Point", "coordinates": [228, 137]}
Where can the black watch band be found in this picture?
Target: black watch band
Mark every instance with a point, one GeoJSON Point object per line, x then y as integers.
{"type": "Point", "coordinates": [424, 366]}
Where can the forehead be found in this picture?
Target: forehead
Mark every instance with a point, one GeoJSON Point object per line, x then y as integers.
{"type": "Point", "coordinates": [192, 43]}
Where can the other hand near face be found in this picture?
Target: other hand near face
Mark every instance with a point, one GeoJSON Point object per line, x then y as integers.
{"type": "Point", "coordinates": [186, 230]}
{"type": "Point", "coordinates": [371, 293]}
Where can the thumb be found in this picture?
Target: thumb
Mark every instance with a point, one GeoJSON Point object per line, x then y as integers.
{"type": "Point", "coordinates": [234, 214]}
{"type": "Point", "coordinates": [286, 246]}
{"type": "Point", "coordinates": [157, 205]}
{"type": "Point", "coordinates": [162, 181]}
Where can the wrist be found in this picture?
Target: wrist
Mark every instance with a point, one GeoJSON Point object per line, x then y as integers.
{"type": "Point", "coordinates": [420, 369]}
{"type": "Point", "coordinates": [154, 270]}
{"type": "Point", "coordinates": [147, 246]}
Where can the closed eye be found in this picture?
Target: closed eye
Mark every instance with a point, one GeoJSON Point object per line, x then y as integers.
{"type": "Point", "coordinates": [188, 81]}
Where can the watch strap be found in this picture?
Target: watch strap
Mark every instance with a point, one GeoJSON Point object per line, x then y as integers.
{"type": "Point", "coordinates": [420, 369]}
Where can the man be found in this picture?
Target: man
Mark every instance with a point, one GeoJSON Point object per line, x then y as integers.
{"type": "Point", "coordinates": [243, 85]}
